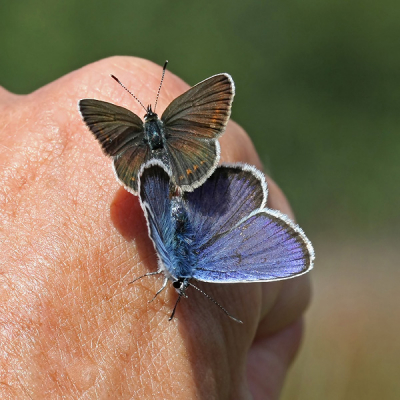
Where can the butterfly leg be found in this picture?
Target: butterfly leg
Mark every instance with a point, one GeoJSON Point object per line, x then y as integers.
{"type": "Point", "coordinates": [180, 285]}
{"type": "Point", "coordinates": [162, 288]}
{"type": "Point", "coordinates": [148, 274]}
{"type": "Point", "coordinates": [173, 311]}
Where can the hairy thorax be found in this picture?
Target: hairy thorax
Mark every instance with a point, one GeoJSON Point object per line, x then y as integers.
{"type": "Point", "coordinates": [184, 237]}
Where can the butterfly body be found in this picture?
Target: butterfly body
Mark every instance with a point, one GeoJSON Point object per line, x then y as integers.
{"type": "Point", "coordinates": [154, 133]}
{"type": "Point", "coordinates": [181, 245]}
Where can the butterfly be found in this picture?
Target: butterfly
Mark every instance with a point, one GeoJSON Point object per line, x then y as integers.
{"type": "Point", "coordinates": [184, 138]}
{"type": "Point", "coordinates": [221, 232]}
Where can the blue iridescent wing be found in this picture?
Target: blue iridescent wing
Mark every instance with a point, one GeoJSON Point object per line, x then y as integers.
{"type": "Point", "coordinates": [237, 239]}
{"type": "Point", "coordinates": [230, 194]}
{"type": "Point", "coordinates": [265, 246]}
{"type": "Point", "coordinates": [154, 194]}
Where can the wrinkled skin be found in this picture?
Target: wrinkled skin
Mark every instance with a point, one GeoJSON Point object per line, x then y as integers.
{"type": "Point", "coordinates": [71, 239]}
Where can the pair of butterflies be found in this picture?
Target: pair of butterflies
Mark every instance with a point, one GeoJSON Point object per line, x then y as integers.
{"type": "Point", "coordinates": [215, 228]}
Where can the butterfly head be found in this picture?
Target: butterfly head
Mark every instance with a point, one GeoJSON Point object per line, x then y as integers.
{"type": "Point", "coordinates": [180, 286]}
{"type": "Point", "coordinates": [150, 114]}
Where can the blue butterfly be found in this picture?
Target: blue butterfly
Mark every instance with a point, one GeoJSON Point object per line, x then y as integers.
{"type": "Point", "coordinates": [184, 138]}
{"type": "Point", "coordinates": [221, 232]}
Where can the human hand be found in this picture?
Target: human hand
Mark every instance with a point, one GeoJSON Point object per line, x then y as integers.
{"type": "Point", "coordinates": [71, 241]}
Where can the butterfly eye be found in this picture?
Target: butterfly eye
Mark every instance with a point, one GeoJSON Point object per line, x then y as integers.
{"type": "Point", "coordinates": [177, 284]}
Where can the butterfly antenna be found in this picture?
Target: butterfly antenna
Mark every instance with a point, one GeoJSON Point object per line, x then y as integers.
{"type": "Point", "coordinates": [116, 79]}
{"type": "Point", "coordinates": [173, 311]}
{"type": "Point", "coordinates": [159, 89]}
{"type": "Point", "coordinates": [148, 274]}
{"type": "Point", "coordinates": [216, 303]}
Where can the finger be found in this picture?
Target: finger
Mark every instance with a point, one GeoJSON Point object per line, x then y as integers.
{"type": "Point", "coordinates": [269, 359]}
{"type": "Point", "coordinates": [290, 299]}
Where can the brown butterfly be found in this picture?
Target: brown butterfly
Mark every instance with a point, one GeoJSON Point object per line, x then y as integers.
{"type": "Point", "coordinates": [184, 139]}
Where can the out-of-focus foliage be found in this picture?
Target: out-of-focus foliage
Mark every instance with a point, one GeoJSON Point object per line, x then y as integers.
{"type": "Point", "coordinates": [317, 83]}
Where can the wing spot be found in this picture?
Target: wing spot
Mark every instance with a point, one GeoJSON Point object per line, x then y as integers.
{"type": "Point", "coordinates": [189, 171]}
{"type": "Point", "coordinates": [181, 177]}
{"type": "Point", "coordinates": [133, 179]}
{"type": "Point", "coordinates": [195, 167]}
{"type": "Point", "coordinates": [201, 162]}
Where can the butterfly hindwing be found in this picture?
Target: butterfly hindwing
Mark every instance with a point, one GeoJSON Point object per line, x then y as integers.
{"type": "Point", "coordinates": [127, 165]}
{"type": "Point", "coordinates": [192, 160]}
{"type": "Point", "coordinates": [231, 193]}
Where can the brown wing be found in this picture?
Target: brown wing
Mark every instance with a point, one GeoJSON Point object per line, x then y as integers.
{"type": "Point", "coordinates": [203, 111]}
{"type": "Point", "coordinates": [116, 128]}
{"type": "Point", "coordinates": [192, 160]}
{"type": "Point", "coordinates": [127, 166]}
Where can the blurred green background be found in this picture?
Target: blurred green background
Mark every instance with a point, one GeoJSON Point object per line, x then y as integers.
{"type": "Point", "coordinates": [317, 89]}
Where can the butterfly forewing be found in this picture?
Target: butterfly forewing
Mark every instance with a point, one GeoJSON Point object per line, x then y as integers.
{"type": "Point", "coordinates": [116, 128]}
{"type": "Point", "coordinates": [203, 111]}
